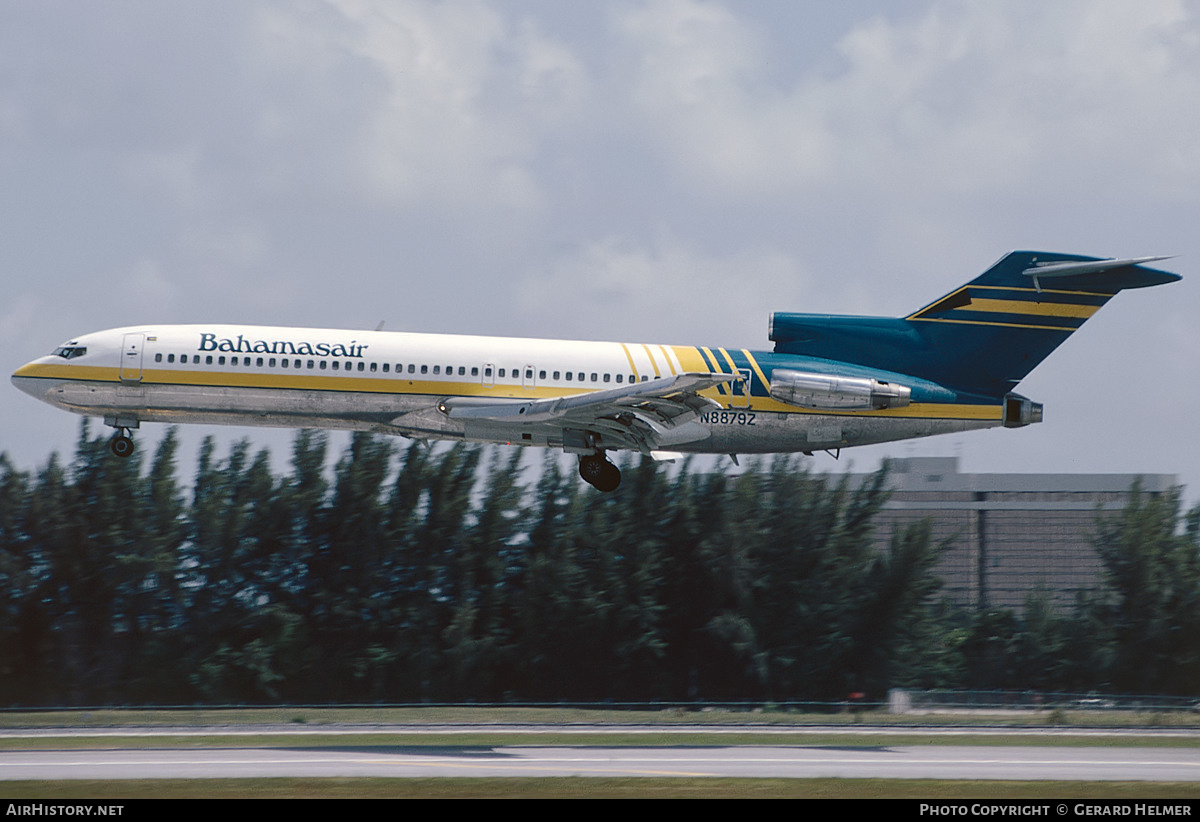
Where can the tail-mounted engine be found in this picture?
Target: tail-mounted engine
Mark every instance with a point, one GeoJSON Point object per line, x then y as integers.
{"type": "Point", "coordinates": [823, 392]}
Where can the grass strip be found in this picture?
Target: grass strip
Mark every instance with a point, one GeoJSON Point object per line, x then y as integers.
{"type": "Point", "coordinates": [591, 788]}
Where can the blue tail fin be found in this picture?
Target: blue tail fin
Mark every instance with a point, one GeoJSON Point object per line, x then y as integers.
{"type": "Point", "coordinates": [983, 337]}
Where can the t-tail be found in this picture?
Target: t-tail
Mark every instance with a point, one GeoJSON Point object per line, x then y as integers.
{"type": "Point", "coordinates": [984, 337]}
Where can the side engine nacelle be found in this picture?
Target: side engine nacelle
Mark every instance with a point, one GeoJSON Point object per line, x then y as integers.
{"type": "Point", "coordinates": [823, 392]}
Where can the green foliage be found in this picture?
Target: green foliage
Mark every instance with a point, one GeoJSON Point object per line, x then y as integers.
{"type": "Point", "coordinates": [1152, 608]}
{"type": "Point", "coordinates": [460, 573]}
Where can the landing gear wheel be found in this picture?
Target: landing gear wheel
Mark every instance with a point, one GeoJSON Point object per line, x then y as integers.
{"type": "Point", "coordinates": [599, 473]}
{"type": "Point", "coordinates": [121, 445]}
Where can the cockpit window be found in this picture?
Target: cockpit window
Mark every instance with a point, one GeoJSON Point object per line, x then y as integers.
{"type": "Point", "coordinates": [70, 352]}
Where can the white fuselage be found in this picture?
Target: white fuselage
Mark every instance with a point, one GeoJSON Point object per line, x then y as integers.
{"type": "Point", "coordinates": [397, 383]}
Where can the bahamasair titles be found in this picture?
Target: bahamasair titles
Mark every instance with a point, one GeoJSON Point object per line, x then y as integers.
{"type": "Point", "coordinates": [830, 382]}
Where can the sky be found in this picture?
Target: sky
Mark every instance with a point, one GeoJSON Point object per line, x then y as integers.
{"type": "Point", "coordinates": [666, 171]}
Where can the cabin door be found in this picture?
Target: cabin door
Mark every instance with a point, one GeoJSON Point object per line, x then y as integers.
{"type": "Point", "coordinates": [131, 357]}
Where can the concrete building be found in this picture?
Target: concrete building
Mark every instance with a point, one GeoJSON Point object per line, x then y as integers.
{"type": "Point", "coordinates": [1013, 534]}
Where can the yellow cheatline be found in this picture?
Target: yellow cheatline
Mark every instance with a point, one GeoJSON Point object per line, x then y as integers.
{"type": "Point", "coordinates": [732, 368]}
{"type": "Point", "coordinates": [667, 356]}
{"type": "Point", "coordinates": [299, 381]}
{"type": "Point", "coordinates": [67, 372]}
{"type": "Point", "coordinates": [690, 359]}
{"type": "Point", "coordinates": [757, 369]}
{"type": "Point", "coordinates": [710, 360]}
{"type": "Point", "coordinates": [632, 368]}
{"type": "Point", "coordinates": [653, 364]}
{"type": "Point", "coordinates": [917, 410]}
{"type": "Point", "coordinates": [1031, 308]}
{"type": "Point", "coordinates": [1067, 328]}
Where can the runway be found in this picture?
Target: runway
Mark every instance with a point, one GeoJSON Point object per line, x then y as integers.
{"type": "Point", "coordinates": [798, 762]}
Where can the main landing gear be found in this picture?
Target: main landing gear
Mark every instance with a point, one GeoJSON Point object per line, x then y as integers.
{"type": "Point", "coordinates": [599, 473]}
{"type": "Point", "coordinates": [121, 443]}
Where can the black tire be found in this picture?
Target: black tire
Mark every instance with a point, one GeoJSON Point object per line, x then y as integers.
{"type": "Point", "coordinates": [591, 469]}
{"type": "Point", "coordinates": [599, 473]}
{"type": "Point", "coordinates": [610, 478]}
{"type": "Point", "coordinates": [121, 446]}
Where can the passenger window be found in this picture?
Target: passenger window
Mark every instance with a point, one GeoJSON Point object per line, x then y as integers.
{"type": "Point", "coordinates": [335, 365]}
{"type": "Point", "coordinates": [323, 365]}
{"type": "Point", "coordinates": [475, 371]}
{"type": "Point", "coordinates": [372, 367]}
{"type": "Point", "coordinates": [361, 366]}
{"type": "Point", "coordinates": [594, 376]}
{"type": "Point", "coordinates": [437, 369]}
{"type": "Point", "coordinates": [221, 360]}
{"type": "Point", "coordinates": [569, 375]}
{"type": "Point", "coordinates": [311, 364]}
{"type": "Point", "coordinates": [208, 360]}
{"type": "Point", "coordinates": [556, 373]}
{"type": "Point", "coordinates": [412, 368]}
{"type": "Point", "coordinates": [385, 368]}
{"type": "Point", "coordinates": [158, 357]}
{"type": "Point", "coordinates": [284, 363]}
{"type": "Point", "coordinates": [424, 369]}
{"type": "Point", "coordinates": [607, 377]}
{"type": "Point", "coordinates": [259, 362]}
{"type": "Point", "coordinates": [620, 378]}
{"type": "Point", "coordinates": [501, 372]}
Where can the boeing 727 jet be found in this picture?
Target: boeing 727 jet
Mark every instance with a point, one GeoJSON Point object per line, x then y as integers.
{"type": "Point", "coordinates": [830, 382]}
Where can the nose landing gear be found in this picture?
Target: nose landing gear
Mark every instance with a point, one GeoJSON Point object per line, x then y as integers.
{"type": "Point", "coordinates": [121, 443]}
{"type": "Point", "coordinates": [599, 473]}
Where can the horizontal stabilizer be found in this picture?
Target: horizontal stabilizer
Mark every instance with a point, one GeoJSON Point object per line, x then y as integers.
{"type": "Point", "coordinates": [1076, 268]}
{"type": "Point", "coordinates": [1058, 269]}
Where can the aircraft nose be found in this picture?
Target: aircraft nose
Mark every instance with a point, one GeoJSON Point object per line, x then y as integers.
{"type": "Point", "coordinates": [23, 379]}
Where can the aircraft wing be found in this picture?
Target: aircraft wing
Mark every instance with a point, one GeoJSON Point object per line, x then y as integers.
{"type": "Point", "coordinates": [643, 416]}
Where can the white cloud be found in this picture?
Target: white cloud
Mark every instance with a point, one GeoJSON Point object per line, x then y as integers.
{"type": "Point", "coordinates": [670, 170]}
{"type": "Point", "coordinates": [961, 99]}
{"type": "Point", "coordinates": [453, 97]}
{"type": "Point", "coordinates": [666, 291]}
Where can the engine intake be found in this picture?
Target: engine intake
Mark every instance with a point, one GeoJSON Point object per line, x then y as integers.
{"type": "Point", "coordinates": [823, 392]}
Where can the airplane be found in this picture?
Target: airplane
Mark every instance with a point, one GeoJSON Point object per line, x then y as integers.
{"type": "Point", "coordinates": [831, 381]}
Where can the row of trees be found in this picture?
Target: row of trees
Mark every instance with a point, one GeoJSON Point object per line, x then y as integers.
{"type": "Point", "coordinates": [460, 573]}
